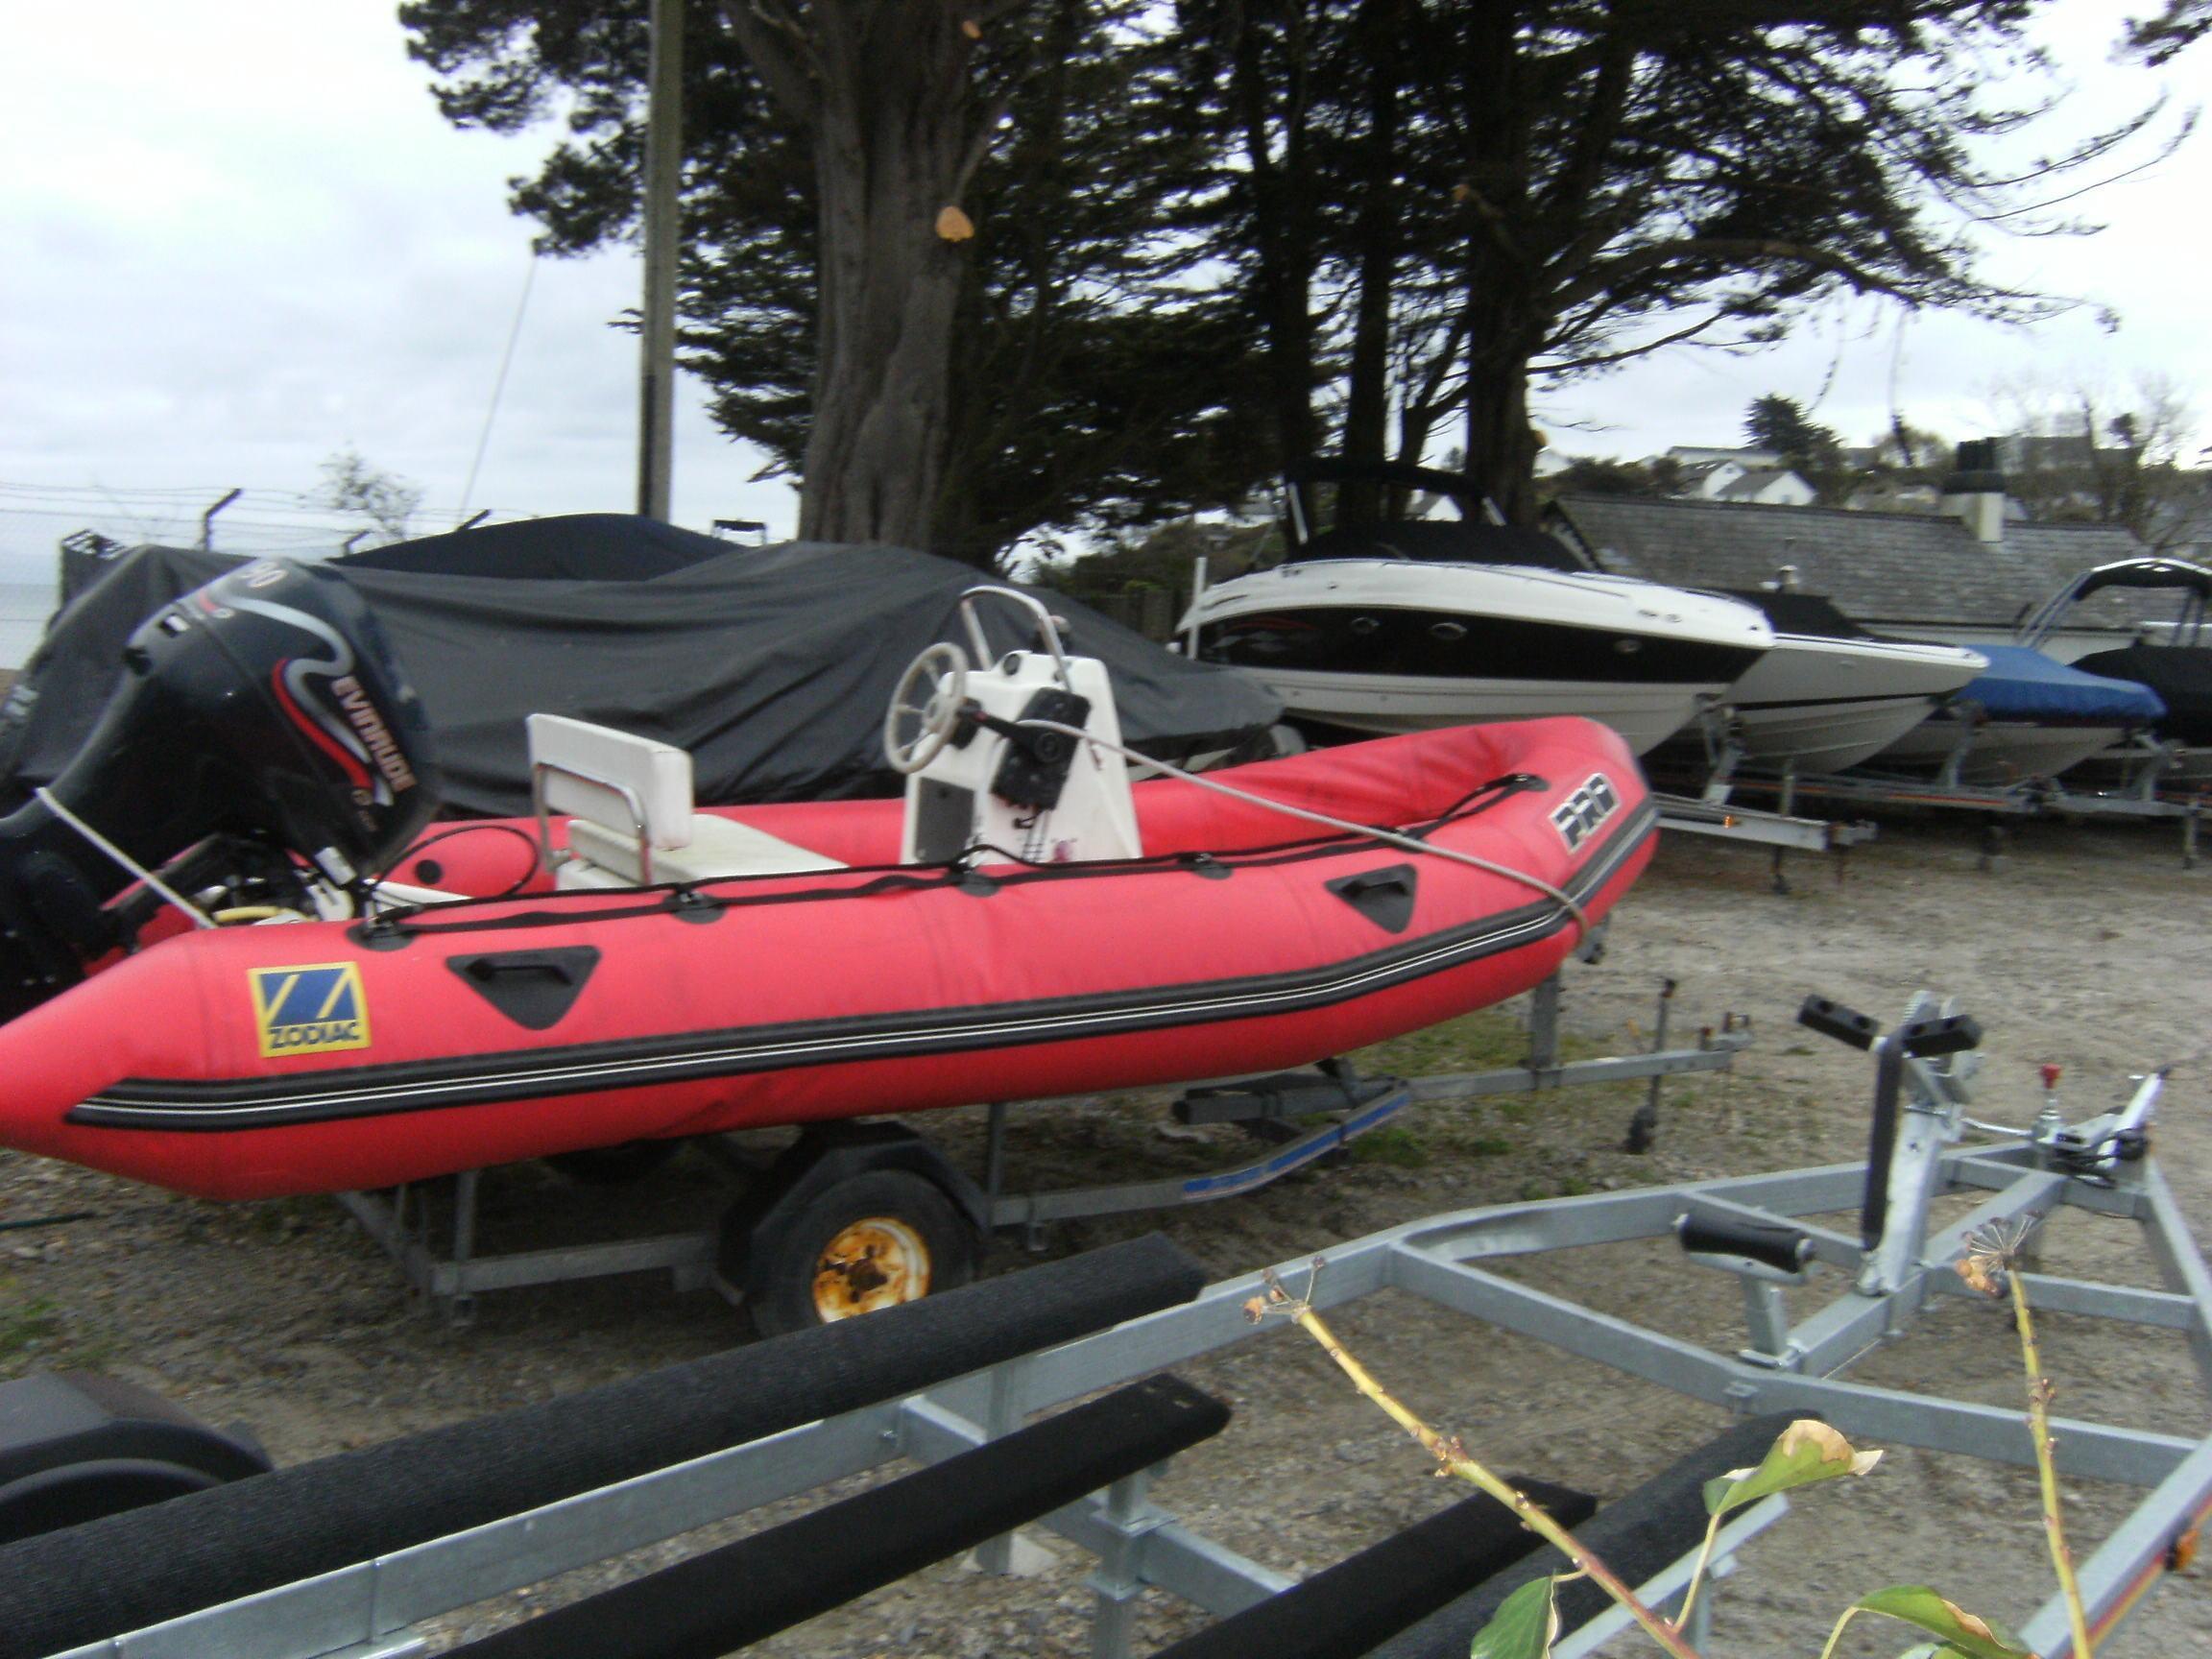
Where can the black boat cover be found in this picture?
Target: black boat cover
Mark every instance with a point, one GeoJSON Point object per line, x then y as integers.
{"type": "Point", "coordinates": [1809, 615]}
{"type": "Point", "coordinates": [771, 665]}
{"type": "Point", "coordinates": [1471, 538]}
{"type": "Point", "coordinates": [2182, 675]}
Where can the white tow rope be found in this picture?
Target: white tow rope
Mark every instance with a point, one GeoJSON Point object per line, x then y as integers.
{"type": "Point", "coordinates": [200, 918]}
{"type": "Point", "coordinates": [1391, 837]}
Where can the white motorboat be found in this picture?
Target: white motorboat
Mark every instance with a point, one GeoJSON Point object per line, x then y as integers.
{"type": "Point", "coordinates": [1406, 623]}
{"type": "Point", "coordinates": [1829, 694]}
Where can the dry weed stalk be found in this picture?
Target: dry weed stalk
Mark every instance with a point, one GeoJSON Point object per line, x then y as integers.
{"type": "Point", "coordinates": [1454, 1460]}
{"type": "Point", "coordinates": [1808, 1450]}
{"type": "Point", "coordinates": [1992, 1265]}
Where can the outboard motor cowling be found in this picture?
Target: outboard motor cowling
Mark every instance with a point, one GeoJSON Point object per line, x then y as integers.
{"type": "Point", "coordinates": [261, 716]}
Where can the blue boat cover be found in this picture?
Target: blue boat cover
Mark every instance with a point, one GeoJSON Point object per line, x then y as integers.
{"type": "Point", "coordinates": [2024, 685]}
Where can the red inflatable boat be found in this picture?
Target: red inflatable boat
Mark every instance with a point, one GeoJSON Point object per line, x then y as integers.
{"type": "Point", "coordinates": [1028, 927]}
{"type": "Point", "coordinates": [255, 1061]}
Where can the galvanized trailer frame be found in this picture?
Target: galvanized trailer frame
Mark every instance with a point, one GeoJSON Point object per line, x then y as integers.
{"type": "Point", "coordinates": [2140, 792]}
{"type": "Point", "coordinates": [1897, 1261]}
{"type": "Point", "coordinates": [2137, 795]}
{"type": "Point", "coordinates": [432, 1231]}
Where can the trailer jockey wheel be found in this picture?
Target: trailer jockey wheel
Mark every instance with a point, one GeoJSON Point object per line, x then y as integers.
{"type": "Point", "coordinates": [926, 699]}
{"type": "Point", "coordinates": [869, 1242]}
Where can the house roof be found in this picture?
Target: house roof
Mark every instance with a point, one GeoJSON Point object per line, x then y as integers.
{"type": "Point", "coordinates": [1754, 480]}
{"type": "Point", "coordinates": [1901, 568]}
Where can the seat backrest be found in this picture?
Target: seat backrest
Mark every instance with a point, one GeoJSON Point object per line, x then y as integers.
{"type": "Point", "coordinates": [634, 785]}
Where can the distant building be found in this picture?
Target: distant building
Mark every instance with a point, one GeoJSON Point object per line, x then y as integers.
{"type": "Point", "coordinates": [1893, 495]}
{"type": "Point", "coordinates": [1688, 455]}
{"type": "Point", "coordinates": [1753, 475]}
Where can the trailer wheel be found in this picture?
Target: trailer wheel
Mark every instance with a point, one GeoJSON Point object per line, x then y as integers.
{"type": "Point", "coordinates": [872, 1242]}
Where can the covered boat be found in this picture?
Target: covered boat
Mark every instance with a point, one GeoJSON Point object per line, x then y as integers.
{"type": "Point", "coordinates": [2024, 717]}
{"type": "Point", "coordinates": [768, 665]}
{"type": "Point", "coordinates": [1399, 623]}
{"type": "Point", "coordinates": [1024, 922]}
{"type": "Point", "coordinates": [2172, 659]}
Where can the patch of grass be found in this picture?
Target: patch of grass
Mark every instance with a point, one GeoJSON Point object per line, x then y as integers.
{"type": "Point", "coordinates": [27, 1326]}
{"type": "Point", "coordinates": [276, 1219]}
{"type": "Point", "coordinates": [1399, 1147]}
{"type": "Point", "coordinates": [1487, 1146]}
{"type": "Point", "coordinates": [1478, 1042]}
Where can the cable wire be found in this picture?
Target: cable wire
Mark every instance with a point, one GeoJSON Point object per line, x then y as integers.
{"type": "Point", "coordinates": [499, 385]}
{"type": "Point", "coordinates": [1390, 836]}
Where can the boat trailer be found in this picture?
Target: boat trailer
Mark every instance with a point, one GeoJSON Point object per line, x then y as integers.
{"type": "Point", "coordinates": [433, 1230]}
{"type": "Point", "coordinates": [2141, 791]}
{"type": "Point", "coordinates": [343, 1559]}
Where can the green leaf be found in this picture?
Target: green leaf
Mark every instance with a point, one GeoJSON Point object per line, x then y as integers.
{"type": "Point", "coordinates": [1522, 1627]}
{"type": "Point", "coordinates": [1960, 1632]}
{"type": "Point", "coordinates": [1806, 1450]}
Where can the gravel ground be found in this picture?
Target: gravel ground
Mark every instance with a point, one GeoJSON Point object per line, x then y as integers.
{"type": "Point", "coordinates": [2083, 947]}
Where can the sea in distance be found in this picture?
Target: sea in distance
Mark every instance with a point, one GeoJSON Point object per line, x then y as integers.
{"type": "Point", "coordinates": [24, 609]}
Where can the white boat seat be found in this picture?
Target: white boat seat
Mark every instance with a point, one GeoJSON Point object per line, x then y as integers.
{"type": "Point", "coordinates": [629, 800]}
{"type": "Point", "coordinates": [604, 858]}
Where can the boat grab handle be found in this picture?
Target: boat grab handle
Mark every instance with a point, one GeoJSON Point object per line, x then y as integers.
{"type": "Point", "coordinates": [1047, 626]}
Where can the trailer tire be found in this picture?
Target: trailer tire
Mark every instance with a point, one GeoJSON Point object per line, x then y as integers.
{"type": "Point", "coordinates": [870, 1241]}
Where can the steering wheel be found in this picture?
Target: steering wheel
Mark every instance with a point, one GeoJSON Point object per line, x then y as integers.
{"type": "Point", "coordinates": [928, 696]}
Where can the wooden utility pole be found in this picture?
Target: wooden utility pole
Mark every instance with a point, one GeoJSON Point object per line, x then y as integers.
{"type": "Point", "coordinates": [663, 235]}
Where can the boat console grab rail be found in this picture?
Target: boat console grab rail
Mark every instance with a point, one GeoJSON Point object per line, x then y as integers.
{"type": "Point", "coordinates": [1048, 627]}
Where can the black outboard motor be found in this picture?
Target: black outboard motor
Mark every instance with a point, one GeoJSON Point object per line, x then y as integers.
{"type": "Point", "coordinates": [258, 718]}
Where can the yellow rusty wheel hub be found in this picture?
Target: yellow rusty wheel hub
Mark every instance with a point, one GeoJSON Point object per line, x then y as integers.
{"type": "Point", "coordinates": [878, 1262]}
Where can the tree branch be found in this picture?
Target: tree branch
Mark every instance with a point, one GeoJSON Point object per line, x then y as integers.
{"type": "Point", "coordinates": [1750, 250]}
{"type": "Point", "coordinates": [1606, 359]}
{"type": "Point", "coordinates": [781, 53]}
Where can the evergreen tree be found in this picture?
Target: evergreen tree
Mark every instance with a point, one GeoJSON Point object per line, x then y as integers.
{"type": "Point", "coordinates": [1574, 183]}
{"type": "Point", "coordinates": [1780, 426]}
{"type": "Point", "coordinates": [2179, 26]}
{"type": "Point", "coordinates": [1052, 367]}
{"type": "Point", "coordinates": [1190, 245]}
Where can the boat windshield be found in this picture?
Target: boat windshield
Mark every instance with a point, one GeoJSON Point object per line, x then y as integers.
{"type": "Point", "coordinates": [1340, 510]}
{"type": "Point", "coordinates": [1810, 615]}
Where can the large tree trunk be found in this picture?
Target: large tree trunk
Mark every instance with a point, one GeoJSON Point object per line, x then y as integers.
{"type": "Point", "coordinates": [888, 154]}
{"type": "Point", "coordinates": [1379, 32]}
{"type": "Point", "coordinates": [1500, 445]}
{"type": "Point", "coordinates": [1504, 317]}
{"type": "Point", "coordinates": [884, 90]}
{"type": "Point", "coordinates": [1280, 183]}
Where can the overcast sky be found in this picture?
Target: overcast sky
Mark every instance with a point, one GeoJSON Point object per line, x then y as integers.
{"type": "Point", "coordinates": [237, 238]}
